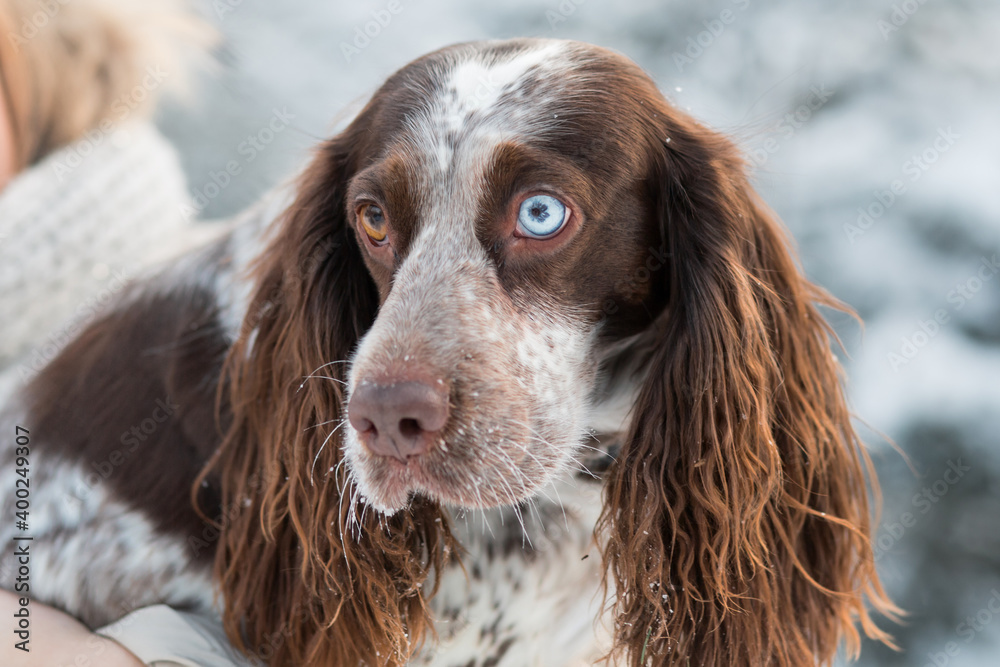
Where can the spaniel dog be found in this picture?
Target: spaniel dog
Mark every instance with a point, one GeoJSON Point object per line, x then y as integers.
{"type": "Point", "coordinates": [520, 371]}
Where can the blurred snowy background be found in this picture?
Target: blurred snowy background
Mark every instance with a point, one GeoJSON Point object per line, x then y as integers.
{"type": "Point", "coordinates": [874, 129]}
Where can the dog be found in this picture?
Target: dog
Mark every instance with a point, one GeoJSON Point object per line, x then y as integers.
{"type": "Point", "coordinates": [520, 370]}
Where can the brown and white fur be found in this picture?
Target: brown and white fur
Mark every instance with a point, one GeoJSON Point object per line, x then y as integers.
{"type": "Point", "coordinates": [630, 439]}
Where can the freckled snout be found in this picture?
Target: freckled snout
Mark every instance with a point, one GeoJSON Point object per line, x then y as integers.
{"type": "Point", "coordinates": [398, 419]}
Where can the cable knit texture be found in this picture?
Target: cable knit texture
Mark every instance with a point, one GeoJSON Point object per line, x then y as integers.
{"type": "Point", "coordinates": [74, 228]}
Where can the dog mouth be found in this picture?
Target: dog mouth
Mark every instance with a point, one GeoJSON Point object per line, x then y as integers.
{"type": "Point", "coordinates": [456, 474]}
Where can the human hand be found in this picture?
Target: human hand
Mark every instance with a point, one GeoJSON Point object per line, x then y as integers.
{"type": "Point", "coordinates": [57, 640]}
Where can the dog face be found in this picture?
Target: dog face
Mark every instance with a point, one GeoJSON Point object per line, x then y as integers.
{"type": "Point", "coordinates": [498, 211]}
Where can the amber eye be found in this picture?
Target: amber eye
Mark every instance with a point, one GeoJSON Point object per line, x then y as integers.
{"type": "Point", "coordinates": [373, 222]}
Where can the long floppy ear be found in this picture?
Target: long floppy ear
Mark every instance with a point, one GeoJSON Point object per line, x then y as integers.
{"type": "Point", "coordinates": [307, 577]}
{"type": "Point", "coordinates": [737, 515]}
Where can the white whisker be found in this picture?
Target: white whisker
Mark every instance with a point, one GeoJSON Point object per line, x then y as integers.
{"type": "Point", "coordinates": [320, 451]}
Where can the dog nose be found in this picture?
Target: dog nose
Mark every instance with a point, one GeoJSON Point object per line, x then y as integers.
{"type": "Point", "coordinates": [398, 419]}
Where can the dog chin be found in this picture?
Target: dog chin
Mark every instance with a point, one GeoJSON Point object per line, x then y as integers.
{"type": "Point", "coordinates": [389, 496]}
{"type": "Point", "coordinates": [390, 486]}
{"type": "Point", "coordinates": [385, 505]}
{"type": "Point", "coordinates": [395, 491]}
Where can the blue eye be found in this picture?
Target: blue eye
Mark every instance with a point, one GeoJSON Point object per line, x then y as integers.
{"type": "Point", "coordinates": [541, 216]}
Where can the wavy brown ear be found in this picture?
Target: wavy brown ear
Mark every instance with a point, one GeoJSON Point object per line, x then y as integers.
{"type": "Point", "coordinates": [307, 576]}
{"type": "Point", "coordinates": [737, 516]}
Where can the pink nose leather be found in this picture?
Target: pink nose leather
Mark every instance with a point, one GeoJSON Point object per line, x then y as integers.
{"type": "Point", "coordinates": [398, 419]}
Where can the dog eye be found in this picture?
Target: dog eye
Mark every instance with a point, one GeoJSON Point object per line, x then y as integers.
{"type": "Point", "coordinates": [373, 222]}
{"type": "Point", "coordinates": [541, 216]}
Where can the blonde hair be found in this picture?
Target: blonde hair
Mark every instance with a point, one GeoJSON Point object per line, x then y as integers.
{"type": "Point", "coordinates": [70, 66]}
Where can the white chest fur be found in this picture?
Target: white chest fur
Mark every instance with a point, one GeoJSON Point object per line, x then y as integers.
{"type": "Point", "coordinates": [525, 604]}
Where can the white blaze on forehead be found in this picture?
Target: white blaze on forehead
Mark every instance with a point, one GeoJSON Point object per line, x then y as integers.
{"type": "Point", "coordinates": [474, 85]}
{"type": "Point", "coordinates": [478, 85]}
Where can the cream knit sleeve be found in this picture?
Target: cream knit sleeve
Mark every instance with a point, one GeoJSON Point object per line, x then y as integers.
{"type": "Point", "coordinates": [75, 227]}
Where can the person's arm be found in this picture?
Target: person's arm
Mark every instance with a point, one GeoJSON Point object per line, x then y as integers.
{"type": "Point", "coordinates": [56, 639]}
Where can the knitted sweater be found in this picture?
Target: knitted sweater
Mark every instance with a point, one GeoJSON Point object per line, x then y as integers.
{"type": "Point", "coordinates": [74, 228]}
